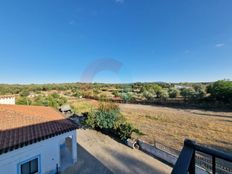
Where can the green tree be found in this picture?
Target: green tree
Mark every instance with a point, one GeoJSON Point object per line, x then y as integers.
{"type": "Point", "coordinates": [126, 97]}
{"type": "Point", "coordinates": [163, 94]}
{"type": "Point", "coordinates": [148, 95]}
{"type": "Point", "coordinates": [24, 93]}
{"type": "Point", "coordinates": [221, 91]}
{"type": "Point", "coordinates": [173, 92]}
{"type": "Point", "coordinates": [157, 89]}
{"type": "Point", "coordinates": [187, 93]}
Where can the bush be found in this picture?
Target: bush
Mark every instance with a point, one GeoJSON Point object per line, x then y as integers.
{"type": "Point", "coordinates": [53, 100]}
{"type": "Point", "coordinates": [126, 97]}
{"type": "Point", "coordinates": [24, 93]}
{"type": "Point", "coordinates": [221, 91]}
{"type": "Point", "coordinates": [103, 97]}
{"type": "Point", "coordinates": [173, 92]}
{"type": "Point", "coordinates": [125, 131]}
{"type": "Point", "coordinates": [23, 101]}
{"type": "Point", "coordinates": [163, 94]}
{"type": "Point", "coordinates": [91, 120]}
{"type": "Point", "coordinates": [187, 93]}
{"type": "Point", "coordinates": [87, 94]}
{"type": "Point", "coordinates": [116, 93]}
{"type": "Point", "coordinates": [199, 94]}
{"type": "Point", "coordinates": [108, 117]}
{"type": "Point", "coordinates": [148, 95]}
{"type": "Point", "coordinates": [105, 117]}
{"type": "Point", "coordinates": [157, 89]}
{"type": "Point", "coordinates": [77, 94]}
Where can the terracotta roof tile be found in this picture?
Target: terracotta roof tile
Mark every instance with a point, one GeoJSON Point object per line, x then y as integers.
{"type": "Point", "coordinates": [6, 96]}
{"type": "Point", "coordinates": [23, 125]}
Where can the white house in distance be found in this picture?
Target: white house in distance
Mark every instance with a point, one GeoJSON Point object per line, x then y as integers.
{"type": "Point", "coordinates": [35, 140]}
{"type": "Point", "coordinates": [7, 99]}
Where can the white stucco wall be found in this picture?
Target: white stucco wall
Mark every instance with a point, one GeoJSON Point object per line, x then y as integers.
{"type": "Point", "coordinates": [48, 150]}
{"type": "Point", "coordinates": [7, 100]}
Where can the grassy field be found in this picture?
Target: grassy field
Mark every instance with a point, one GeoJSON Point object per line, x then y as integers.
{"type": "Point", "coordinates": [170, 126]}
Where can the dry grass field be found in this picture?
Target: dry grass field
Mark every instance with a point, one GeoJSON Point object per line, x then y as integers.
{"type": "Point", "coordinates": [170, 126]}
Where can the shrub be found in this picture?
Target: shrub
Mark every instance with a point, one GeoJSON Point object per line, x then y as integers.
{"type": "Point", "coordinates": [24, 93]}
{"type": "Point", "coordinates": [105, 117]}
{"type": "Point", "coordinates": [108, 117]}
{"type": "Point", "coordinates": [23, 101]}
{"type": "Point", "coordinates": [77, 94]}
{"type": "Point", "coordinates": [103, 97]}
{"type": "Point", "coordinates": [91, 121]}
{"type": "Point", "coordinates": [199, 94]}
{"type": "Point", "coordinates": [157, 89]}
{"type": "Point", "coordinates": [173, 92]}
{"type": "Point", "coordinates": [125, 131]}
{"type": "Point", "coordinates": [148, 95]}
{"type": "Point", "coordinates": [126, 97]}
{"type": "Point", "coordinates": [87, 94]}
{"type": "Point", "coordinates": [187, 93]}
{"type": "Point", "coordinates": [221, 91]}
{"type": "Point", "coordinates": [116, 93]}
{"type": "Point", "coordinates": [53, 100]}
{"type": "Point", "coordinates": [163, 94]}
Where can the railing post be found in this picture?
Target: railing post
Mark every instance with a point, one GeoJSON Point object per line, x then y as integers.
{"type": "Point", "coordinates": [185, 159]}
{"type": "Point", "coordinates": [57, 169]}
{"type": "Point", "coordinates": [192, 164]}
{"type": "Point", "coordinates": [213, 164]}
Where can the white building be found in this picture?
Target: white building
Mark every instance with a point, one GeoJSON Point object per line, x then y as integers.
{"type": "Point", "coordinates": [182, 87]}
{"type": "Point", "coordinates": [35, 139]}
{"type": "Point", "coordinates": [7, 99]}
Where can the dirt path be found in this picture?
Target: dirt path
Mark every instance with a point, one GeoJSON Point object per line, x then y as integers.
{"type": "Point", "coordinates": [98, 153]}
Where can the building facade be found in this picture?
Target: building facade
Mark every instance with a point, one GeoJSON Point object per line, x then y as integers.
{"type": "Point", "coordinates": [8, 99]}
{"type": "Point", "coordinates": [42, 142]}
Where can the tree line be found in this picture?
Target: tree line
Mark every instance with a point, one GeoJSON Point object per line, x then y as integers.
{"type": "Point", "coordinates": [217, 93]}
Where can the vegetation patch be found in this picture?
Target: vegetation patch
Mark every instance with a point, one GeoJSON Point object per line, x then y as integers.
{"type": "Point", "coordinates": [54, 100]}
{"type": "Point", "coordinates": [107, 117]}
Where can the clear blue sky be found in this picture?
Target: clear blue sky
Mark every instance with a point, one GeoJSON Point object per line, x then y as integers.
{"type": "Point", "coordinates": [44, 41]}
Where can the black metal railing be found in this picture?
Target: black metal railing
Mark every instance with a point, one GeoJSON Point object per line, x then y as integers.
{"type": "Point", "coordinates": [190, 153]}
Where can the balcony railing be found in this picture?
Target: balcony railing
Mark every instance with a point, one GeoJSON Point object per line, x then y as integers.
{"type": "Point", "coordinates": [221, 162]}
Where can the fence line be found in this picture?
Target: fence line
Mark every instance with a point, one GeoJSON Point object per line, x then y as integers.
{"type": "Point", "coordinates": [170, 155]}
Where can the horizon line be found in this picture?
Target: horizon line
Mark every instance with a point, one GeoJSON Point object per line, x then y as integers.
{"type": "Point", "coordinates": [109, 83]}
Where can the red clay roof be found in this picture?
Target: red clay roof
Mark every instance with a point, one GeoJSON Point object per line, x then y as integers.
{"type": "Point", "coordinates": [23, 125]}
{"type": "Point", "coordinates": [6, 96]}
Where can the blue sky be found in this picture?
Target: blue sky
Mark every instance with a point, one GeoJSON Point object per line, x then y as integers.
{"type": "Point", "coordinates": [45, 41]}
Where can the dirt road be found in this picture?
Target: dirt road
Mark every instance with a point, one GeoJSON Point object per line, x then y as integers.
{"type": "Point", "coordinates": [98, 153]}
